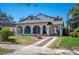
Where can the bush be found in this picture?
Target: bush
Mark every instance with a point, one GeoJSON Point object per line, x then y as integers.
{"type": "Point", "coordinates": [5, 33]}
{"type": "Point", "coordinates": [75, 33]}
{"type": "Point", "coordinates": [71, 34]}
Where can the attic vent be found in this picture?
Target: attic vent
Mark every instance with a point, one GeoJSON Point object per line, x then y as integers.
{"type": "Point", "coordinates": [31, 17]}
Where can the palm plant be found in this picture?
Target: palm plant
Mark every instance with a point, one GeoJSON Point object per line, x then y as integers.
{"type": "Point", "coordinates": [74, 13]}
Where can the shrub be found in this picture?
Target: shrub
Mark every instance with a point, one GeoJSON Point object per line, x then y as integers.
{"type": "Point", "coordinates": [71, 34]}
{"type": "Point", "coordinates": [75, 33]}
{"type": "Point", "coordinates": [5, 33]}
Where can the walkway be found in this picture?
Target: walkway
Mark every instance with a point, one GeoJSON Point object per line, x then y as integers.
{"type": "Point", "coordinates": [37, 48]}
{"type": "Point", "coordinates": [40, 48]}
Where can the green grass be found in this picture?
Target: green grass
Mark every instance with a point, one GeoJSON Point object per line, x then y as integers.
{"type": "Point", "coordinates": [65, 42]}
{"type": "Point", "coordinates": [25, 40]}
{"type": "Point", "coordinates": [69, 41]}
{"type": "Point", "coordinates": [3, 51]}
{"type": "Point", "coordinates": [55, 43]}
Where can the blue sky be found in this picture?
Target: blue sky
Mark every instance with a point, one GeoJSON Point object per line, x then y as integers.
{"type": "Point", "coordinates": [51, 9]}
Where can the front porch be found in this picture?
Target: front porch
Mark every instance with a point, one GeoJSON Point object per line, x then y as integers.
{"type": "Point", "coordinates": [38, 30]}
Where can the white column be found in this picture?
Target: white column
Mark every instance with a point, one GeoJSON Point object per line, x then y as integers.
{"type": "Point", "coordinates": [41, 30]}
{"type": "Point", "coordinates": [16, 30]}
{"type": "Point", "coordinates": [47, 28]}
{"type": "Point", "coordinates": [55, 30]}
{"type": "Point", "coordinates": [23, 30]}
{"type": "Point", "coordinates": [31, 30]}
{"type": "Point", "coordinates": [60, 31]}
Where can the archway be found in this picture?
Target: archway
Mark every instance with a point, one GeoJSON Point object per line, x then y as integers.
{"type": "Point", "coordinates": [27, 30]}
{"type": "Point", "coordinates": [36, 30]}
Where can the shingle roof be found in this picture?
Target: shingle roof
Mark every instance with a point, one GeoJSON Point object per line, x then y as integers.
{"type": "Point", "coordinates": [7, 24]}
{"type": "Point", "coordinates": [45, 16]}
{"type": "Point", "coordinates": [40, 17]}
{"type": "Point", "coordinates": [30, 18]}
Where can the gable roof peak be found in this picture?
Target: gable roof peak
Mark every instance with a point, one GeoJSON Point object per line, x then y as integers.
{"type": "Point", "coordinates": [41, 14]}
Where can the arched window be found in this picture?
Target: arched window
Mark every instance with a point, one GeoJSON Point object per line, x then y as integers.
{"type": "Point", "coordinates": [36, 30]}
{"type": "Point", "coordinates": [27, 30]}
{"type": "Point", "coordinates": [44, 29]}
{"type": "Point", "coordinates": [19, 30]}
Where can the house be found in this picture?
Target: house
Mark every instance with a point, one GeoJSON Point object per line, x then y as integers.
{"type": "Point", "coordinates": [7, 24]}
{"type": "Point", "coordinates": [40, 24]}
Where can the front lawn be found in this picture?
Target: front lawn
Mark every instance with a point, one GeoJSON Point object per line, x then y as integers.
{"type": "Point", "coordinates": [24, 40]}
{"type": "Point", "coordinates": [69, 41]}
{"type": "Point", "coordinates": [3, 51]}
{"type": "Point", "coordinates": [65, 42]}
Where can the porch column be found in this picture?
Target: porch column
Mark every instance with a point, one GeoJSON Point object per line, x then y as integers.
{"type": "Point", "coordinates": [60, 31]}
{"type": "Point", "coordinates": [47, 29]}
{"type": "Point", "coordinates": [55, 30]}
{"type": "Point", "coordinates": [16, 30]}
{"type": "Point", "coordinates": [23, 30]}
{"type": "Point", "coordinates": [41, 30]}
{"type": "Point", "coordinates": [31, 30]}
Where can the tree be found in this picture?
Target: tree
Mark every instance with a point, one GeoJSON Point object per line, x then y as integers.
{"type": "Point", "coordinates": [4, 18]}
{"type": "Point", "coordinates": [73, 14]}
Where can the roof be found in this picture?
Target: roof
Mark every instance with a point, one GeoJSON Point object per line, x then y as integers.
{"type": "Point", "coordinates": [41, 17]}
{"type": "Point", "coordinates": [7, 24]}
{"type": "Point", "coordinates": [30, 18]}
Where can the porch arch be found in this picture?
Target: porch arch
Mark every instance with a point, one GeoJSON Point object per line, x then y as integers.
{"type": "Point", "coordinates": [36, 29]}
{"type": "Point", "coordinates": [27, 30]}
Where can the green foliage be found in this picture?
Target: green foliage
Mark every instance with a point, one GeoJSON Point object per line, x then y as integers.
{"type": "Point", "coordinates": [69, 42]}
{"type": "Point", "coordinates": [5, 33]}
{"type": "Point", "coordinates": [75, 33]}
{"type": "Point", "coordinates": [0, 28]}
{"type": "Point", "coordinates": [73, 15]}
{"type": "Point", "coordinates": [71, 34]}
{"type": "Point", "coordinates": [24, 40]}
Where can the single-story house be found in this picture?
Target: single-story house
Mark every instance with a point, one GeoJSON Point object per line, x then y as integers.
{"type": "Point", "coordinates": [40, 24]}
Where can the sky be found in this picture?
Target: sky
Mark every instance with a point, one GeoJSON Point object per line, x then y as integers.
{"type": "Point", "coordinates": [51, 9]}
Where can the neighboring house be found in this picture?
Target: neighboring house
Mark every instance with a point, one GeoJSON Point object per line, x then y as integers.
{"type": "Point", "coordinates": [7, 25]}
{"type": "Point", "coordinates": [40, 25]}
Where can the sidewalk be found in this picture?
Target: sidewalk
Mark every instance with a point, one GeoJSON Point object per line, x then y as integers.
{"type": "Point", "coordinates": [11, 46]}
